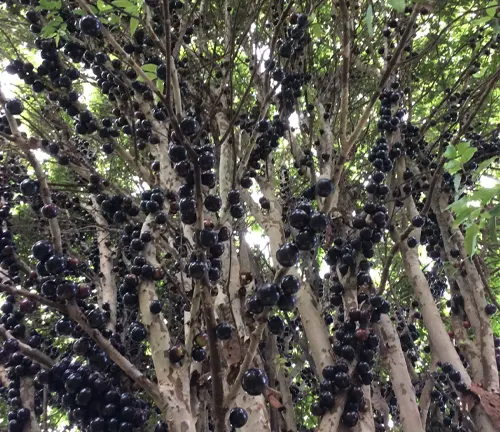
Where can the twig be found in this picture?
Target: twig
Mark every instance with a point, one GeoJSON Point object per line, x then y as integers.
{"type": "Point", "coordinates": [255, 338]}
{"type": "Point", "coordinates": [487, 287]}
{"type": "Point", "coordinates": [394, 250]}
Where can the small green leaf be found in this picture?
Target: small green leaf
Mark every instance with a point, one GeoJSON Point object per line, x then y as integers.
{"type": "Point", "coordinates": [80, 12]}
{"type": "Point", "coordinates": [316, 30]}
{"type": "Point", "coordinates": [480, 21]}
{"type": "Point", "coordinates": [134, 22]}
{"type": "Point", "coordinates": [103, 7]}
{"type": "Point", "coordinates": [369, 20]}
{"type": "Point", "coordinates": [461, 217]}
{"type": "Point", "coordinates": [467, 155]}
{"type": "Point", "coordinates": [453, 166]}
{"type": "Point", "coordinates": [450, 152]}
{"type": "Point", "coordinates": [113, 19]}
{"type": "Point", "coordinates": [50, 5]}
{"type": "Point", "coordinates": [460, 205]}
{"type": "Point", "coordinates": [123, 3]}
{"type": "Point", "coordinates": [483, 166]}
{"type": "Point", "coordinates": [399, 5]}
{"type": "Point", "coordinates": [485, 195]}
{"type": "Point", "coordinates": [149, 67]}
{"type": "Point", "coordinates": [495, 25]}
{"type": "Point", "coordinates": [471, 235]}
{"type": "Point", "coordinates": [492, 8]}
{"type": "Point", "coordinates": [495, 211]}
{"type": "Point", "coordinates": [150, 75]}
{"type": "Point", "coordinates": [462, 147]}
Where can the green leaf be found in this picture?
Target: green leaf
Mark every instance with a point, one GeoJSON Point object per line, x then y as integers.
{"type": "Point", "coordinates": [316, 30]}
{"type": "Point", "coordinates": [462, 147]}
{"type": "Point", "coordinates": [123, 3]}
{"type": "Point", "coordinates": [453, 166]}
{"type": "Point", "coordinates": [150, 75]}
{"type": "Point", "coordinates": [149, 67]}
{"type": "Point", "coordinates": [134, 22]}
{"type": "Point", "coordinates": [483, 166]}
{"type": "Point", "coordinates": [113, 19]}
{"type": "Point", "coordinates": [480, 21]}
{"type": "Point", "coordinates": [485, 195]}
{"type": "Point", "coordinates": [399, 5]}
{"type": "Point", "coordinates": [471, 235]}
{"type": "Point", "coordinates": [103, 7]}
{"type": "Point", "coordinates": [467, 155]}
{"type": "Point", "coordinates": [80, 12]}
{"type": "Point", "coordinates": [495, 25]}
{"type": "Point", "coordinates": [461, 217]}
{"type": "Point", "coordinates": [495, 211]}
{"type": "Point", "coordinates": [450, 152]}
{"type": "Point", "coordinates": [50, 5]}
{"type": "Point", "coordinates": [369, 20]}
{"type": "Point", "coordinates": [460, 205]}
{"type": "Point", "coordinates": [492, 8]}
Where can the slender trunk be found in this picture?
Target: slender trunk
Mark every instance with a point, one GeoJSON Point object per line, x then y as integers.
{"type": "Point", "coordinates": [28, 399]}
{"type": "Point", "coordinates": [400, 379]}
{"type": "Point", "coordinates": [472, 290]}
{"type": "Point", "coordinates": [438, 335]}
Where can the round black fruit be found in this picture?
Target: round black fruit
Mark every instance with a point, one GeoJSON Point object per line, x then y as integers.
{"type": "Point", "coordinates": [287, 254]}
{"type": "Point", "coordinates": [254, 381]}
{"type": "Point", "coordinates": [238, 417]}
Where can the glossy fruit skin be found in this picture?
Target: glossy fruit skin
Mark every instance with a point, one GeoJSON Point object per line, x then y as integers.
{"type": "Point", "coordinates": [276, 325]}
{"type": "Point", "coordinates": [42, 250]}
{"type": "Point", "coordinates": [29, 187]}
{"type": "Point", "coordinates": [490, 309]}
{"type": "Point", "coordinates": [223, 331]}
{"type": "Point", "coordinates": [350, 418]}
{"type": "Point", "coordinates": [90, 25]}
{"type": "Point", "coordinates": [238, 417]}
{"type": "Point", "coordinates": [324, 187]}
{"type": "Point", "coordinates": [50, 211]}
{"type": "Point", "coordinates": [14, 106]}
{"type": "Point", "coordinates": [268, 294]}
{"type": "Point", "coordinates": [199, 354]}
{"type": "Point", "coordinates": [254, 381]}
{"type": "Point", "coordinates": [290, 285]}
{"type": "Point", "coordinates": [287, 255]}
{"type": "Point", "coordinates": [155, 307]}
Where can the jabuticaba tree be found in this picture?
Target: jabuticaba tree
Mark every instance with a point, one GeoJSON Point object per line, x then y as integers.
{"type": "Point", "coordinates": [145, 146]}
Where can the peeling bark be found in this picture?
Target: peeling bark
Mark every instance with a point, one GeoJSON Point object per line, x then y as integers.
{"type": "Point", "coordinates": [173, 381]}
{"type": "Point", "coordinates": [28, 399]}
{"type": "Point", "coordinates": [400, 379]}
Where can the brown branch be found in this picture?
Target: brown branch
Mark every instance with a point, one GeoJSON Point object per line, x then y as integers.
{"type": "Point", "coordinates": [255, 338]}
{"type": "Point", "coordinates": [344, 77]}
{"type": "Point", "coordinates": [77, 315]}
{"type": "Point", "coordinates": [123, 363]}
{"type": "Point", "coordinates": [32, 353]}
{"type": "Point", "coordinates": [217, 373]}
{"type": "Point", "coordinates": [21, 292]}
{"type": "Point", "coordinates": [392, 253]}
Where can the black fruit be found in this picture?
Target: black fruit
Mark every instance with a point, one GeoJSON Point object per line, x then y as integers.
{"type": "Point", "coordinates": [254, 381]}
